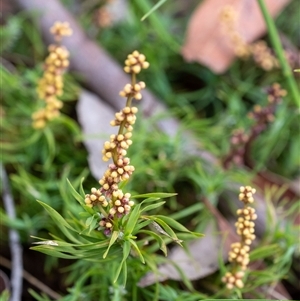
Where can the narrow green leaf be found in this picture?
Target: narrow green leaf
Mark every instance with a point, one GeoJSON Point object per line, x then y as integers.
{"type": "Point", "coordinates": [89, 220]}
{"type": "Point", "coordinates": [84, 214]}
{"type": "Point", "coordinates": [176, 225]}
{"type": "Point", "coordinates": [126, 251]}
{"type": "Point", "coordinates": [149, 200]}
{"type": "Point", "coordinates": [4, 295]}
{"type": "Point", "coordinates": [163, 228]}
{"type": "Point", "coordinates": [123, 184]}
{"type": "Point", "coordinates": [93, 225]}
{"type": "Point", "coordinates": [155, 21]}
{"type": "Point", "coordinates": [56, 216]}
{"type": "Point", "coordinates": [53, 252]}
{"type": "Point", "coordinates": [160, 241]}
{"type": "Point", "coordinates": [75, 194]}
{"type": "Point", "coordinates": [51, 145]}
{"type": "Point", "coordinates": [264, 251]}
{"type": "Point", "coordinates": [153, 206]}
{"type": "Point", "coordinates": [140, 226]}
{"type": "Point", "coordinates": [113, 238]}
{"type": "Point", "coordinates": [81, 187]}
{"type": "Point", "coordinates": [167, 230]}
{"type": "Point", "coordinates": [32, 139]}
{"type": "Point", "coordinates": [61, 222]}
{"type": "Point", "coordinates": [132, 220]}
{"type": "Point", "coordinates": [154, 8]}
{"type": "Point", "coordinates": [36, 296]}
{"type": "Point", "coordinates": [115, 253]}
{"type": "Point", "coordinates": [160, 195]}
{"type": "Point", "coordinates": [138, 250]}
{"type": "Point", "coordinates": [125, 272]}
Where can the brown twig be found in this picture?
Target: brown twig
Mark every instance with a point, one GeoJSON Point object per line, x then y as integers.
{"type": "Point", "coordinates": [14, 239]}
{"type": "Point", "coordinates": [32, 280]}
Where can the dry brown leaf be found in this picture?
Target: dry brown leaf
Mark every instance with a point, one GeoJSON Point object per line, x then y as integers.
{"type": "Point", "coordinates": [94, 117]}
{"type": "Point", "coordinates": [206, 41]}
{"type": "Point", "coordinates": [203, 254]}
{"type": "Point", "coordinates": [202, 259]}
{"type": "Point", "coordinates": [224, 227]}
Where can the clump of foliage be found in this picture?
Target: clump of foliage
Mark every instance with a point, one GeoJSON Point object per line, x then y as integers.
{"type": "Point", "coordinates": [107, 247]}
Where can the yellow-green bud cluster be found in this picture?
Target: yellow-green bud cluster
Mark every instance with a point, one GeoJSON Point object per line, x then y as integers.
{"type": "Point", "coordinates": [135, 62]}
{"type": "Point", "coordinates": [133, 90]}
{"type": "Point", "coordinates": [110, 196]}
{"type": "Point", "coordinates": [50, 86]}
{"type": "Point", "coordinates": [246, 194]}
{"type": "Point", "coordinates": [115, 174]}
{"type": "Point", "coordinates": [126, 117]}
{"type": "Point", "coordinates": [239, 251]}
{"type": "Point", "coordinates": [233, 280]}
{"type": "Point", "coordinates": [95, 197]}
{"type": "Point", "coordinates": [61, 29]}
{"type": "Point", "coordinates": [245, 225]}
{"type": "Point", "coordinates": [119, 144]}
{"type": "Point", "coordinates": [263, 55]}
{"type": "Point", "coordinates": [121, 204]}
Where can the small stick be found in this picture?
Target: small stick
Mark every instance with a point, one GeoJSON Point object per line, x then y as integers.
{"type": "Point", "coordinates": [32, 280]}
{"type": "Point", "coordinates": [14, 240]}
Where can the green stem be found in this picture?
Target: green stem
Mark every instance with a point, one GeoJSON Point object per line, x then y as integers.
{"type": "Point", "coordinates": [122, 125]}
{"type": "Point", "coordinates": [133, 79]}
{"type": "Point", "coordinates": [101, 209]}
{"type": "Point", "coordinates": [274, 37]}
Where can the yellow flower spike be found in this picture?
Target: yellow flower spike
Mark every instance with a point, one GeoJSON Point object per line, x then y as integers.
{"type": "Point", "coordinates": [50, 86]}
{"type": "Point", "coordinates": [116, 203]}
{"type": "Point", "coordinates": [239, 252]}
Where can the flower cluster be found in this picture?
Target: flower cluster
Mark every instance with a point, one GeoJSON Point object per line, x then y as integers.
{"type": "Point", "coordinates": [133, 90]}
{"type": "Point", "coordinates": [275, 93]}
{"type": "Point", "coordinates": [239, 252]}
{"type": "Point", "coordinates": [61, 29]}
{"type": "Point", "coordinates": [50, 86]}
{"type": "Point", "coordinates": [238, 140]}
{"type": "Point", "coordinates": [263, 55]}
{"type": "Point", "coordinates": [103, 17]}
{"type": "Point", "coordinates": [265, 115]}
{"type": "Point", "coordinates": [262, 116]}
{"type": "Point", "coordinates": [110, 199]}
{"type": "Point", "coordinates": [229, 19]}
{"type": "Point", "coordinates": [135, 62]}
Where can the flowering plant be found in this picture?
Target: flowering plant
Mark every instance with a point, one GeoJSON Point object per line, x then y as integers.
{"type": "Point", "coordinates": [112, 227]}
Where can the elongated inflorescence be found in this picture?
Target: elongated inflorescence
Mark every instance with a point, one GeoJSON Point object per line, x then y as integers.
{"type": "Point", "coordinates": [259, 51]}
{"type": "Point", "coordinates": [262, 116]}
{"type": "Point", "coordinates": [50, 86]}
{"type": "Point", "coordinates": [239, 251]}
{"type": "Point", "coordinates": [111, 200]}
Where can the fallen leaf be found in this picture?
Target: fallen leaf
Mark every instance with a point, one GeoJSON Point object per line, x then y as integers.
{"type": "Point", "coordinates": [94, 117]}
{"type": "Point", "coordinates": [224, 227]}
{"type": "Point", "coordinates": [207, 43]}
{"type": "Point", "coordinates": [202, 259]}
